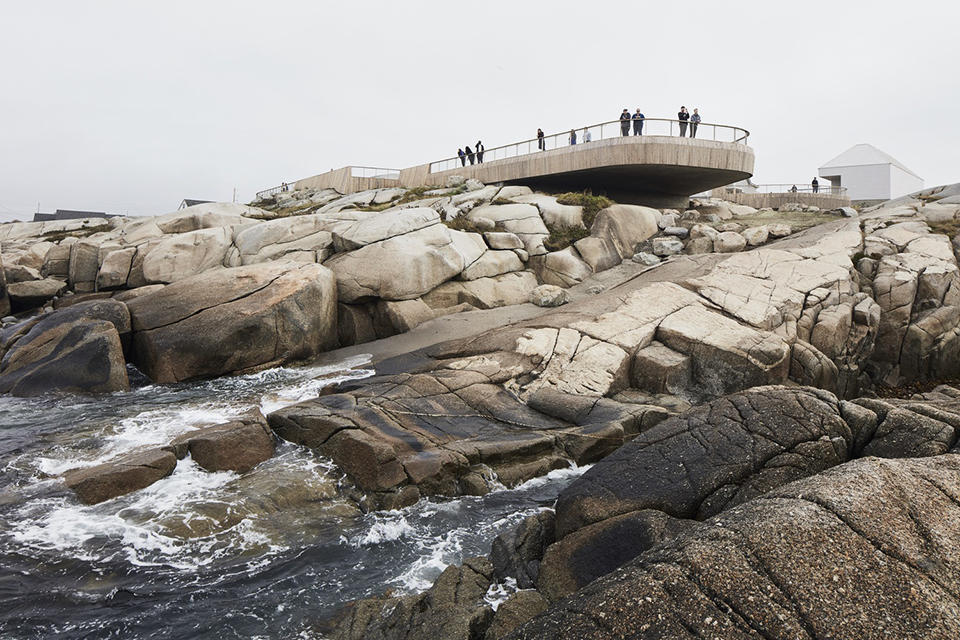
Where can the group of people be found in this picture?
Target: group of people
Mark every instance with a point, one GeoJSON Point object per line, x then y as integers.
{"type": "Point", "coordinates": [814, 185]}
{"type": "Point", "coordinates": [687, 119]}
{"type": "Point", "coordinates": [626, 119]}
{"type": "Point", "coordinates": [470, 154]}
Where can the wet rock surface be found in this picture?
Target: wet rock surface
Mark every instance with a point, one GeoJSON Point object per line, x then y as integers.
{"type": "Point", "coordinates": [766, 511]}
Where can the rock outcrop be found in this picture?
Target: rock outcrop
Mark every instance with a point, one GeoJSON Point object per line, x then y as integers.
{"type": "Point", "coordinates": [234, 320]}
{"type": "Point", "coordinates": [238, 446]}
{"type": "Point", "coordinates": [740, 516]}
{"type": "Point", "coordinates": [77, 349]}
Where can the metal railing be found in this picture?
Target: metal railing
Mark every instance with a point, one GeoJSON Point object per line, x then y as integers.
{"type": "Point", "coordinates": [601, 131]}
{"type": "Point", "coordinates": [272, 190]}
{"type": "Point", "coordinates": [798, 188]}
{"type": "Point", "coordinates": [374, 172]}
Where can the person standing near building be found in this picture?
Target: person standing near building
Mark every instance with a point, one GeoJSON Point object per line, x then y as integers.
{"type": "Point", "coordinates": [479, 152]}
{"type": "Point", "coordinates": [694, 121]}
{"type": "Point", "coordinates": [573, 137]}
{"type": "Point", "coordinates": [463, 157]}
{"type": "Point", "coordinates": [625, 123]}
{"type": "Point", "coordinates": [540, 142]}
{"type": "Point", "coordinates": [683, 116]}
{"type": "Point", "coordinates": [638, 123]}
{"type": "Point", "coordinates": [815, 185]}
{"type": "Point", "coordinates": [470, 155]}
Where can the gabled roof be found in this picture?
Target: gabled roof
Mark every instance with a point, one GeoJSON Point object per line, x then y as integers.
{"type": "Point", "coordinates": [864, 155]}
{"type": "Point", "coordinates": [187, 202]}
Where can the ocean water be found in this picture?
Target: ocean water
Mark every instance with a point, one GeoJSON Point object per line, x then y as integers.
{"type": "Point", "coordinates": [274, 553]}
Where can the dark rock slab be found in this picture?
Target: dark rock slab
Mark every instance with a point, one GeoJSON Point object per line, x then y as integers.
{"type": "Point", "coordinates": [449, 432]}
{"type": "Point", "coordinates": [113, 479]}
{"type": "Point", "coordinates": [517, 553]}
{"type": "Point", "coordinates": [596, 550]}
{"type": "Point", "coordinates": [238, 445]}
{"type": "Point", "coordinates": [712, 457]}
{"type": "Point", "coordinates": [868, 549]}
{"type": "Point", "coordinates": [79, 349]}
{"type": "Point", "coordinates": [447, 611]}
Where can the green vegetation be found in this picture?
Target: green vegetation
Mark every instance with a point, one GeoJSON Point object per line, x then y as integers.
{"type": "Point", "coordinates": [563, 236]}
{"type": "Point", "coordinates": [797, 220]}
{"type": "Point", "coordinates": [591, 204]}
{"type": "Point", "coordinates": [84, 232]}
{"type": "Point", "coordinates": [463, 223]}
{"type": "Point", "coordinates": [949, 228]}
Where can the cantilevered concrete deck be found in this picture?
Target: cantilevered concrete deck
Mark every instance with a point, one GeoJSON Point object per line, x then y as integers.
{"type": "Point", "coordinates": [660, 171]}
{"type": "Point", "coordinates": [655, 170]}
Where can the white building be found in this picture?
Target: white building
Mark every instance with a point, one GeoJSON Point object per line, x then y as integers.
{"type": "Point", "coordinates": [870, 175]}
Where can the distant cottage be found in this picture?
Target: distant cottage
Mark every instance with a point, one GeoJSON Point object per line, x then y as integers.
{"type": "Point", "coordinates": [190, 203]}
{"type": "Point", "coordinates": [69, 214]}
{"type": "Point", "coordinates": [870, 175]}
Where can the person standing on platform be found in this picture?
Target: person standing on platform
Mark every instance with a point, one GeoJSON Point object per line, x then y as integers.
{"type": "Point", "coordinates": [540, 142]}
{"type": "Point", "coordinates": [463, 157]}
{"type": "Point", "coordinates": [587, 137]}
{"type": "Point", "coordinates": [815, 185]}
{"type": "Point", "coordinates": [470, 155]}
{"type": "Point", "coordinates": [694, 121]}
{"type": "Point", "coordinates": [573, 137]}
{"type": "Point", "coordinates": [479, 152]}
{"type": "Point", "coordinates": [638, 123]}
{"type": "Point", "coordinates": [683, 117]}
{"type": "Point", "coordinates": [625, 123]}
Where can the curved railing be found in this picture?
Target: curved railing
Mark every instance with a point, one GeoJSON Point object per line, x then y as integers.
{"type": "Point", "coordinates": [272, 190]}
{"type": "Point", "coordinates": [601, 131]}
{"type": "Point", "coordinates": [800, 188]}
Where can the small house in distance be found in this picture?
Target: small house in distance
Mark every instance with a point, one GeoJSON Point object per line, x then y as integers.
{"type": "Point", "coordinates": [870, 175]}
{"type": "Point", "coordinates": [187, 202]}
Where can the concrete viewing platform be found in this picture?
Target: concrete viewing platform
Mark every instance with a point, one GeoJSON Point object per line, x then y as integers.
{"type": "Point", "coordinates": [653, 169]}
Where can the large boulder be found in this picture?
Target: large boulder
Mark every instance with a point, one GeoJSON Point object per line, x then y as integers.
{"type": "Point", "coordinates": [523, 220]}
{"type": "Point", "coordinates": [712, 457]}
{"type": "Point", "coordinates": [187, 254]}
{"type": "Point", "coordinates": [484, 293]}
{"type": "Point", "coordinates": [562, 268]}
{"type": "Point", "coordinates": [77, 349]}
{"type": "Point", "coordinates": [277, 239]}
{"type": "Point", "coordinates": [625, 226]}
{"type": "Point", "coordinates": [235, 320]}
{"type": "Point", "coordinates": [400, 268]}
{"type": "Point", "coordinates": [383, 226]}
{"type": "Point", "coordinates": [34, 293]}
{"type": "Point", "coordinates": [131, 473]}
{"type": "Point", "coordinates": [867, 548]}
{"type": "Point", "coordinates": [238, 445]}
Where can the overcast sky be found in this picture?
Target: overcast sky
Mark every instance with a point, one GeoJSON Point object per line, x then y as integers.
{"type": "Point", "coordinates": [129, 107]}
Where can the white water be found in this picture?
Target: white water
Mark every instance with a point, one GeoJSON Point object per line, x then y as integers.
{"type": "Point", "coordinates": [250, 555]}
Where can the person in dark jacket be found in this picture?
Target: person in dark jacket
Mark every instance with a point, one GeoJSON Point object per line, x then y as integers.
{"type": "Point", "coordinates": [573, 137]}
{"type": "Point", "coordinates": [625, 123]}
{"type": "Point", "coordinates": [470, 155]}
{"type": "Point", "coordinates": [816, 185]}
{"type": "Point", "coordinates": [683, 117]}
{"type": "Point", "coordinates": [541, 143]}
{"type": "Point", "coordinates": [479, 152]}
{"type": "Point", "coordinates": [463, 157]}
{"type": "Point", "coordinates": [638, 123]}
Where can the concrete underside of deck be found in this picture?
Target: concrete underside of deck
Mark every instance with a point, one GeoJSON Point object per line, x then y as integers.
{"type": "Point", "coordinates": [657, 171]}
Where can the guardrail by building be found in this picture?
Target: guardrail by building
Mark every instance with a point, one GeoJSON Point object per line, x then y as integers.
{"type": "Point", "coordinates": [600, 131]}
{"type": "Point", "coordinates": [777, 195]}
{"type": "Point", "coordinates": [800, 188]}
